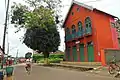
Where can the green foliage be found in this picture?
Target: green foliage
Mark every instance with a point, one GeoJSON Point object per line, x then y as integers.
{"type": "Point", "coordinates": [18, 16]}
{"type": "Point", "coordinates": [23, 17]}
{"type": "Point", "coordinates": [42, 39]}
{"type": "Point", "coordinates": [38, 18]}
{"type": "Point", "coordinates": [28, 55]}
{"type": "Point", "coordinates": [38, 13]}
{"type": "Point", "coordinates": [38, 57]}
{"type": "Point", "coordinates": [54, 58]}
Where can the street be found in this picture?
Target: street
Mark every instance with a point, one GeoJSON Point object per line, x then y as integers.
{"type": "Point", "coordinates": [45, 73]}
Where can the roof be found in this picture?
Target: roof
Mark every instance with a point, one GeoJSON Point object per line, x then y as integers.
{"type": "Point", "coordinates": [85, 6]}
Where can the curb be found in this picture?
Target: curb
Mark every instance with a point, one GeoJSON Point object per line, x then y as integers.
{"type": "Point", "coordinates": [68, 66]}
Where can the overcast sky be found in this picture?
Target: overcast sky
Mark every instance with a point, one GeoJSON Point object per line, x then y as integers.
{"type": "Point", "coordinates": [109, 6]}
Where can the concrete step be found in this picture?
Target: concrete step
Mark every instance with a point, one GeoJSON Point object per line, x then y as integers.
{"type": "Point", "coordinates": [82, 63]}
{"type": "Point", "coordinates": [80, 68]}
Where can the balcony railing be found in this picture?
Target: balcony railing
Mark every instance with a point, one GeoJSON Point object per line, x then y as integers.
{"type": "Point", "coordinates": [88, 31]}
{"type": "Point", "coordinates": [68, 37]}
{"type": "Point", "coordinates": [78, 34]}
{"type": "Point", "coordinates": [73, 35]}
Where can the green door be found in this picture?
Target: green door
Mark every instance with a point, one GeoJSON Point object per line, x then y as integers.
{"type": "Point", "coordinates": [68, 54]}
{"type": "Point", "coordinates": [74, 53]}
{"type": "Point", "coordinates": [90, 51]}
{"type": "Point", "coordinates": [82, 56]}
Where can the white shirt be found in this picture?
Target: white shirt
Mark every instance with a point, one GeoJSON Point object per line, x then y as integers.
{"type": "Point", "coordinates": [28, 61]}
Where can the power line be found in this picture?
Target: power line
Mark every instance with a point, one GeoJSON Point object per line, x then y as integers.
{"type": "Point", "coordinates": [85, 2]}
{"type": "Point", "coordinates": [92, 1]}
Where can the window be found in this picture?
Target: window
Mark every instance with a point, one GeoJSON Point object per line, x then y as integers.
{"type": "Point", "coordinates": [79, 25]}
{"type": "Point", "coordinates": [113, 24]}
{"type": "Point", "coordinates": [88, 26]}
{"type": "Point", "coordinates": [88, 22]}
{"type": "Point", "coordinates": [78, 9]}
{"type": "Point", "coordinates": [67, 31]}
{"type": "Point", "coordinates": [72, 13]}
{"type": "Point", "coordinates": [73, 29]}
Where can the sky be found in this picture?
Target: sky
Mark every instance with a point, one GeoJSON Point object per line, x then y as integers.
{"type": "Point", "coordinates": [109, 6]}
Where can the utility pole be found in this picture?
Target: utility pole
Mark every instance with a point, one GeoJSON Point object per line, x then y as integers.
{"type": "Point", "coordinates": [17, 54]}
{"type": "Point", "coordinates": [4, 35]}
{"type": "Point", "coordinates": [8, 49]}
{"type": "Point", "coordinates": [5, 28]}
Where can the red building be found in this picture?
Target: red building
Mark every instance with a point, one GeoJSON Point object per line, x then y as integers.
{"type": "Point", "coordinates": [88, 31]}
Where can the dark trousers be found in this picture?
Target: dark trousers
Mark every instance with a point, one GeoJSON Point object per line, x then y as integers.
{"type": "Point", "coordinates": [1, 77]}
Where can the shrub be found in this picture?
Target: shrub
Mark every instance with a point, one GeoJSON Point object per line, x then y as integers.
{"type": "Point", "coordinates": [53, 58]}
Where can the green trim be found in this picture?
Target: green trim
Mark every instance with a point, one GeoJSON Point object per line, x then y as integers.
{"type": "Point", "coordinates": [82, 56]}
{"type": "Point", "coordinates": [74, 53]}
{"type": "Point", "coordinates": [90, 50]}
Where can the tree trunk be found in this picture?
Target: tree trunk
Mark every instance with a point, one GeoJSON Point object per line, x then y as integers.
{"type": "Point", "coordinates": [46, 56]}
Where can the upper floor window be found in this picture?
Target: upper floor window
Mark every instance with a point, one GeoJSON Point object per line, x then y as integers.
{"type": "Point", "coordinates": [78, 9]}
{"type": "Point", "coordinates": [67, 31]}
{"type": "Point", "coordinates": [72, 13]}
{"type": "Point", "coordinates": [73, 29]}
{"type": "Point", "coordinates": [79, 25]}
{"type": "Point", "coordinates": [88, 22]}
{"type": "Point", "coordinates": [113, 24]}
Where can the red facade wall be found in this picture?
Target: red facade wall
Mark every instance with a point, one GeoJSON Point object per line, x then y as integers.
{"type": "Point", "coordinates": [114, 38]}
{"type": "Point", "coordinates": [101, 30]}
{"type": "Point", "coordinates": [81, 16]}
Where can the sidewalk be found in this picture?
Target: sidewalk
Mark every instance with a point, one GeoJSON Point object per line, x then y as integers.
{"type": "Point", "coordinates": [99, 70]}
{"type": "Point", "coordinates": [78, 67]}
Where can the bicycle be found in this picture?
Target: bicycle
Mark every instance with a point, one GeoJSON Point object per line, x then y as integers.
{"type": "Point", "coordinates": [113, 68]}
{"type": "Point", "coordinates": [28, 69]}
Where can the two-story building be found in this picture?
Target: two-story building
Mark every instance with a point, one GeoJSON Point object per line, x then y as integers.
{"type": "Point", "coordinates": [87, 31]}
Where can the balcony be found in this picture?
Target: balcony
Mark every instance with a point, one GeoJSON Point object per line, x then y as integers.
{"type": "Point", "coordinates": [79, 34]}
{"type": "Point", "coordinates": [73, 35]}
{"type": "Point", "coordinates": [88, 31]}
{"type": "Point", "coordinates": [68, 37]}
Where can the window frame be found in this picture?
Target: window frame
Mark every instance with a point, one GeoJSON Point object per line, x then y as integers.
{"type": "Point", "coordinates": [80, 28]}
{"type": "Point", "coordinates": [78, 9]}
{"type": "Point", "coordinates": [72, 13]}
{"type": "Point", "coordinates": [73, 29]}
{"type": "Point", "coordinates": [88, 22]}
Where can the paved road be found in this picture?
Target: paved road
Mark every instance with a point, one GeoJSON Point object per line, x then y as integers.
{"type": "Point", "coordinates": [44, 73]}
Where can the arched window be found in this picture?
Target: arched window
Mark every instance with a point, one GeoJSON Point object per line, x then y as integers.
{"type": "Point", "coordinates": [80, 26]}
{"type": "Point", "coordinates": [88, 26]}
{"type": "Point", "coordinates": [87, 22]}
{"type": "Point", "coordinates": [73, 29]}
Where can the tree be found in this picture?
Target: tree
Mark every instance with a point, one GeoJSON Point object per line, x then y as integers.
{"type": "Point", "coordinates": [45, 41]}
{"type": "Point", "coordinates": [40, 24]}
{"type": "Point", "coordinates": [23, 16]}
{"type": "Point", "coordinates": [28, 55]}
{"type": "Point", "coordinates": [54, 5]}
